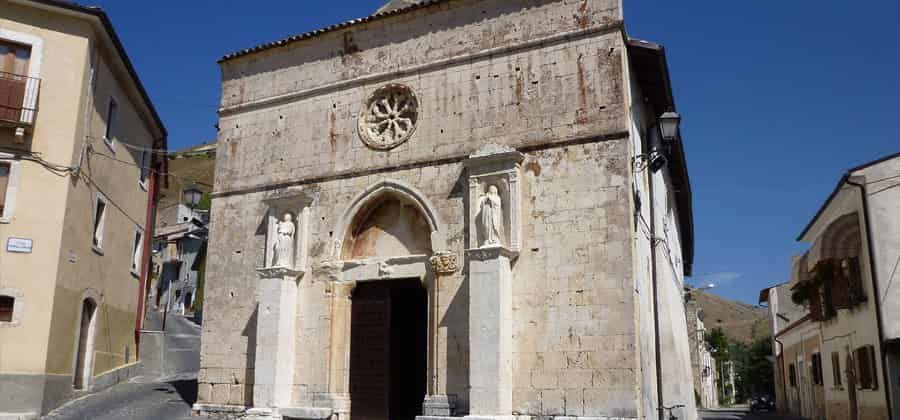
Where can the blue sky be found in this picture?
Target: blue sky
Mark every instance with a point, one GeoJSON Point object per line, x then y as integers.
{"type": "Point", "coordinates": [778, 99]}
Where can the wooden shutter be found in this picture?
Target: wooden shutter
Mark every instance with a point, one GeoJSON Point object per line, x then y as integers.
{"type": "Point", "coordinates": [840, 287]}
{"type": "Point", "coordinates": [4, 184]}
{"type": "Point", "coordinates": [836, 368]}
{"type": "Point", "coordinates": [855, 282]}
{"type": "Point", "coordinates": [866, 369]}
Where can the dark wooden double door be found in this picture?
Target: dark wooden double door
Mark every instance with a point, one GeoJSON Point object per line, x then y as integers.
{"type": "Point", "coordinates": [388, 348]}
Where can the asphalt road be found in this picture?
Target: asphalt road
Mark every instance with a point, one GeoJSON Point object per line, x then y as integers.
{"type": "Point", "coordinates": [740, 414]}
{"type": "Point", "coordinates": [167, 395]}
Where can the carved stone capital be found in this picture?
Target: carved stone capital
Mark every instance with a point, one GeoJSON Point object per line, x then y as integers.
{"type": "Point", "coordinates": [444, 263]}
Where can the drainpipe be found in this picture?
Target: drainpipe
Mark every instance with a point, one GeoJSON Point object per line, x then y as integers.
{"type": "Point", "coordinates": [149, 227]}
{"type": "Point", "coordinates": [660, 401]}
{"type": "Point", "coordinates": [877, 298]}
{"type": "Point", "coordinates": [781, 368]}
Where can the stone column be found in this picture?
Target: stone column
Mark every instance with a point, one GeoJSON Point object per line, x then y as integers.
{"type": "Point", "coordinates": [437, 403]}
{"type": "Point", "coordinates": [338, 397]}
{"type": "Point", "coordinates": [490, 332]}
{"type": "Point", "coordinates": [275, 338]}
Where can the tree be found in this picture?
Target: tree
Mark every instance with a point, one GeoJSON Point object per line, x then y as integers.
{"type": "Point", "coordinates": [718, 342]}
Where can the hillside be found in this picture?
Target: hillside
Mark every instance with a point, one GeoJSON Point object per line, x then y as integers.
{"type": "Point", "coordinates": [191, 166]}
{"type": "Point", "coordinates": [740, 321]}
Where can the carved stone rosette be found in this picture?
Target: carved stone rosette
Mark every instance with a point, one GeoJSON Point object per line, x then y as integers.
{"type": "Point", "coordinates": [444, 263]}
{"type": "Point", "coordinates": [389, 118]}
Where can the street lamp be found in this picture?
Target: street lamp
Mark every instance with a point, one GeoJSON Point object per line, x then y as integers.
{"type": "Point", "coordinates": [192, 196]}
{"type": "Point", "coordinates": [668, 125]}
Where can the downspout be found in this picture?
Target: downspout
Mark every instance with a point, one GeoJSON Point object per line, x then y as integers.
{"type": "Point", "coordinates": [869, 241]}
{"type": "Point", "coordinates": [149, 228]}
{"type": "Point", "coordinates": [660, 401]}
{"type": "Point", "coordinates": [781, 369]}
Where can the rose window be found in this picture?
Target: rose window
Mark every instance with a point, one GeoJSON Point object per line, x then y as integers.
{"type": "Point", "coordinates": [390, 117]}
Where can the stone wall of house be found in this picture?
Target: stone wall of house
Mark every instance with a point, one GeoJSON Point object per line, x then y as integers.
{"type": "Point", "coordinates": [544, 77]}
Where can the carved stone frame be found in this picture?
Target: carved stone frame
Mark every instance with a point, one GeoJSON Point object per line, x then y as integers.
{"type": "Point", "coordinates": [500, 166]}
{"type": "Point", "coordinates": [299, 206]}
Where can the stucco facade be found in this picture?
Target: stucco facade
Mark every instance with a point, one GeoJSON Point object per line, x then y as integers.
{"type": "Point", "coordinates": [60, 165]}
{"type": "Point", "coordinates": [541, 304]}
{"type": "Point", "coordinates": [847, 302]}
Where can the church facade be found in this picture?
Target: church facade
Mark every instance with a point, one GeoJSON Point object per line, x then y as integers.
{"type": "Point", "coordinates": [449, 208]}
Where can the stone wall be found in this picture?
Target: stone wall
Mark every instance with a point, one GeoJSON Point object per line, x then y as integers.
{"type": "Point", "coordinates": [544, 77]}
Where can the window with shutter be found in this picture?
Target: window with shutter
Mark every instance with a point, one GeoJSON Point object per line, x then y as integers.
{"type": "Point", "coordinates": [866, 371]}
{"type": "Point", "coordinates": [852, 270]}
{"type": "Point", "coordinates": [836, 369]}
{"type": "Point", "coordinates": [817, 369]}
{"type": "Point", "coordinates": [840, 287]}
{"type": "Point", "coordinates": [792, 375]}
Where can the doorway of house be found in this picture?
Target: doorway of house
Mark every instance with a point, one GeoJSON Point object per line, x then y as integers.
{"type": "Point", "coordinates": [388, 350]}
{"type": "Point", "coordinates": [85, 349]}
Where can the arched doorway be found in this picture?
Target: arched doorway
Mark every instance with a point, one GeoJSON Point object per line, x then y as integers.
{"type": "Point", "coordinates": [389, 309]}
{"type": "Point", "coordinates": [84, 356]}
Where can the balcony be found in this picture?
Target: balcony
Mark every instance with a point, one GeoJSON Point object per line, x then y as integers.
{"type": "Point", "coordinates": [18, 100]}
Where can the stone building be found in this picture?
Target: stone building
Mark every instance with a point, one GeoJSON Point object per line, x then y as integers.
{"type": "Point", "coordinates": [837, 335]}
{"type": "Point", "coordinates": [703, 365]}
{"type": "Point", "coordinates": [449, 208]}
{"type": "Point", "coordinates": [76, 197]}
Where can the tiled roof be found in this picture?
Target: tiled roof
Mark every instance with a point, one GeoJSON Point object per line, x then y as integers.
{"type": "Point", "coordinates": [402, 6]}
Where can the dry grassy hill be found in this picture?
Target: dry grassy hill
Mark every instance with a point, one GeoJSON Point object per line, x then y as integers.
{"type": "Point", "coordinates": [740, 321]}
{"type": "Point", "coordinates": [192, 166]}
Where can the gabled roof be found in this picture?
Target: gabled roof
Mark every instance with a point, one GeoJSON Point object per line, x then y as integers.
{"type": "Point", "coordinates": [837, 189]}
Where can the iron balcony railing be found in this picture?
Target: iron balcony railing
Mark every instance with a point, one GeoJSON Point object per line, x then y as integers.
{"type": "Point", "coordinates": [18, 99]}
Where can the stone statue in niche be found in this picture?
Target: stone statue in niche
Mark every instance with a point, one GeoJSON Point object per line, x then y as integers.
{"type": "Point", "coordinates": [283, 246]}
{"type": "Point", "coordinates": [490, 217]}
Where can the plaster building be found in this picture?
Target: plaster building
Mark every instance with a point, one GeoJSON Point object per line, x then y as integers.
{"type": "Point", "coordinates": [450, 208]}
{"type": "Point", "coordinates": [180, 244]}
{"type": "Point", "coordinates": [703, 365]}
{"type": "Point", "coordinates": [838, 353]}
{"type": "Point", "coordinates": [76, 195]}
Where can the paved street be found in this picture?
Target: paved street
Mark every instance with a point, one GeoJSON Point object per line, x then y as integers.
{"type": "Point", "coordinates": [166, 395]}
{"type": "Point", "coordinates": [741, 414]}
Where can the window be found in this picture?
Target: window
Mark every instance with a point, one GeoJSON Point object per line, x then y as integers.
{"type": "Point", "coordinates": [14, 60]}
{"type": "Point", "coordinates": [5, 174]}
{"type": "Point", "coordinates": [866, 370]}
{"type": "Point", "coordinates": [112, 115]}
{"type": "Point", "coordinates": [792, 375]}
{"type": "Point", "coordinates": [137, 251]}
{"type": "Point", "coordinates": [145, 168]}
{"type": "Point", "coordinates": [7, 303]}
{"type": "Point", "coordinates": [836, 369]}
{"type": "Point", "coordinates": [99, 221]}
{"type": "Point", "coordinates": [817, 369]}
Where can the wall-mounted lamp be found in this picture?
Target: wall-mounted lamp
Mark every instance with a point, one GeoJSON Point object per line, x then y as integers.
{"type": "Point", "coordinates": [669, 123]}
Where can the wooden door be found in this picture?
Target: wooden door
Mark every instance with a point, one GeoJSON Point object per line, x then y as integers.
{"type": "Point", "coordinates": [370, 362]}
{"type": "Point", "coordinates": [14, 61]}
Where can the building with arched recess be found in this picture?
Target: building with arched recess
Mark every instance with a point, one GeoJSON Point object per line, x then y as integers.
{"type": "Point", "coordinates": [449, 208]}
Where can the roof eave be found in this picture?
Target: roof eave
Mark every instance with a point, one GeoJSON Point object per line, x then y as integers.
{"type": "Point", "coordinates": [678, 163]}
{"type": "Point", "coordinates": [327, 29]}
{"type": "Point", "coordinates": [106, 23]}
